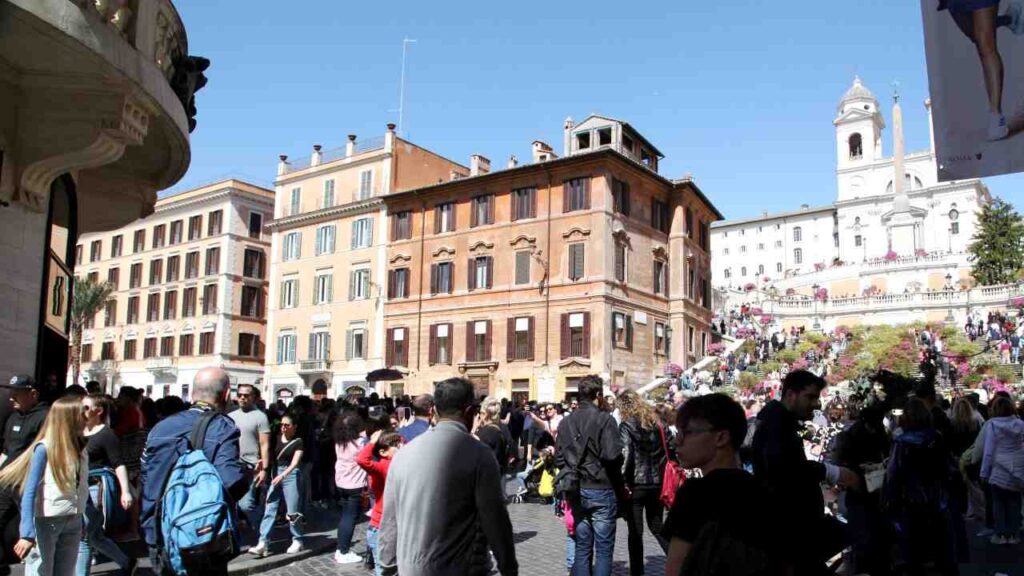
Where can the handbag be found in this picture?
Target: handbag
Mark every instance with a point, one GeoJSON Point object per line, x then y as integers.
{"type": "Point", "coordinates": [673, 476]}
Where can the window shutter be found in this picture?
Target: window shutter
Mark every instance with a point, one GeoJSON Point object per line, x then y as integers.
{"type": "Point", "coordinates": [566, 195]}
{"type": "Point", "coordinates": [529, 340]}
{"type": "Point", "coordinates": [510, 339]}
{"type": "Point", "coordinates": [291, 348]}
{"type": "Point", "coordinates": [311, 353]}
{"type": "Point", "coordinates": [455, 210]}
{"type": "Point", "coordinates": [391, 284]}
{"type": "Point", "coordinates": [585, 190]}
{"type": "Point", "coordinates": [471, 274]}
{"type": "Point", "coordinates": [298, 245]}
{"type": "Point", "coordinates": [487, 342]}
{"type": "Point", "coordinates": [490, 271]}
{"type": "Point", "coordinates": [437, 219]}
{"type": "Point", "coordinates": [532, 198]}
{"type": "Point", "coordinates": [578, 266]}
{"type": "Point", "coordinates": [368, 231]}
{"type": "Point", "coordinates": [629, 333]}
{"type": "Point", "coordinates": [280, 349]}
{"type": "Point", "coordinates": [566, 344]}
{"type": "Point", "coordinates": [348, 345]}
{"type": "Point", "coordinates": [522, 267]}
{"type": "Point", "coordinates": [284, 290]}
{"type": "Point", "coordinates": [474, 208]}
{"type": "Point", "coordinates": [432, 350]}
{"type": "Point", "coordinates": [665, 279]}
{"type": "Point", "coordinates": [433, 278]}
{"type": "Point", "coordinates": [625, 198]}
{"type": "Point", "coordinates": [355, 233]}
{"type": "Point", "coordinates": [620, 263]}
{"type": "Point", "coordinates": [490, 209]}
{"type": "Point", "coordinates": [514, 200]}
{"type": "Point", "coordinates": [470, 340]}
{"type": "Point", "coordinates": [586, 334]}
{"type": "Point", "coordinates": [330, 288]}
{"type": "Point", "coordinates": [351, 284]}
{"type": "Point", "coordinates": [389, 349]}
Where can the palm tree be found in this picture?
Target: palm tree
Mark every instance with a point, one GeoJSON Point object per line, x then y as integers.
{"type": "Point", "coordinates": [88, 298]}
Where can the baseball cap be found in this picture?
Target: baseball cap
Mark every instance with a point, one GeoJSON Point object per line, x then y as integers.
{"type": "Point", "coordinates": [20, 382]}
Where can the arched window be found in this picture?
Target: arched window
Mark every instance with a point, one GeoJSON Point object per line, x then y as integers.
{"type": "Point", "coordinates": [760, 269]}
{"type": "Point", "coordinates": [798, 256]}
{"type": "Point", "coordinates": [743, 271]}
{"type": "Point", "coordinates": [798, 234]}
{"type": "Point", "coordinates": [728, 273]}
{"type": "Point", "coordinates": [856, 146]}
{"type": "Point", "coordinates": [778, 266]}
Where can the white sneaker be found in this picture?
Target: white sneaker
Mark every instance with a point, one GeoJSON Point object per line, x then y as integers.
{"type": "Point", "coordinates": [295, 548]}
{"type": "Point", "coordinates": [1015, 12]}
{"type": "Point", "coordinates": [347, 558]}
{"type": "Point", "coordinates": [1013, 540]}
{"type": "Point", "coordinates": [997, 128]}
{"type": "Point", "coordinates": [986, 532]}
{"type": "Point", "coordinates": [259, 550]}
{"type": "Point", "coordinates": [997, 540]}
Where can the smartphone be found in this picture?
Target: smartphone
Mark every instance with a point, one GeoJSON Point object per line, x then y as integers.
{"type": "Point", "coordinates": [404, 412]}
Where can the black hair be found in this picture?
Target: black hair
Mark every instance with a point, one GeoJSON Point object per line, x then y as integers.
{"type": "Point", "coordinates": [590, 387]}
{"type": "Point", "coordinates": [422, 404]}
{"type": "Point", "coordinates": [387, 440]}
{"type": "Point", "coordinates": [799, 380]}
{"type": "Point", "coordinates": [453, 396]}
{"type": "Point", "coordinates": [75, 390]}
{"type": "Point", "coordinates": [347, 427]}
{"type": "Point", "coordinates": [718, 410]}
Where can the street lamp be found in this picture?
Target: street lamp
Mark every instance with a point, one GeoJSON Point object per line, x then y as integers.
{"type": "Point", "coordinates": [817, 324]}
{"type": "Point", "coordinates": [949, 297]}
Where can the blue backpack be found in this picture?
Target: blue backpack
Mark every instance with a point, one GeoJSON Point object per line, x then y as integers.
{"type": "Point", "coordinates": [196, 526]}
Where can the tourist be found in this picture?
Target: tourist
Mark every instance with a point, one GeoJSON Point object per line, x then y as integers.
{"type": "Point", "coordinates": [375, 458]}
{"type": "Point", "coordinates": [1002, 468]}
{"type": "Point", "coordinates": [493, 433]}
{"type": "Point", "coordinates": [423, 412]}
{"type": "Point", "coordinates": [350, 480]}
{"type": "Point", "coordinates": [52, 478]}
{"type": "Point", "coordinates": [590, 449]}
{"type": "Point", "coordinates": [254, 452]}
{"type": "Point", "coordinates": [285, 485]}
{"type": "Point", "coordinates": [644, 450]}
{"type": "Point", "coordinates": [965, 431]}
{"type": "Point", "coordinates": [430, 528]}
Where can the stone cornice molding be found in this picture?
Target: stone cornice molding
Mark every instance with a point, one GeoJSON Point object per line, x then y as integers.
{"type": "Point", "coordinates": [213, 197]}
{"type": "Point", "coordinates": [443, 250]}
{"type": "Point", "coordinates": [576, 230]}
{"type": "Point", "coordinates": [480, 245]}
{"type": "Point", "coordinates": [400, 258]}
{"type": "Point", "coordinates": [523, 239]}
{"type": "Point", "coordinates": [325, 214]}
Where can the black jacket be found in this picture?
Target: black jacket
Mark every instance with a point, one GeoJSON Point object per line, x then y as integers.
{"type": "Point", "coordinates": [781, 466]}
{"type": "Point", "coordinates": [592, 437]}
{"type": "Point", "coordinates": [643, 455]}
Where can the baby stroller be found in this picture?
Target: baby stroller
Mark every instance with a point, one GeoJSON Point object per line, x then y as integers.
{"type": "Point", "coordinates": [536, 482]}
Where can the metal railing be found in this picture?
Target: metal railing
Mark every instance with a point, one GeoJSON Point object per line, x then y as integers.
{"type": "Point", "coordinates": [313, 366]}
{"type": "Point", "coordinates": [160, 364]}
{"type": "Point", "coordinates": [361, 147]}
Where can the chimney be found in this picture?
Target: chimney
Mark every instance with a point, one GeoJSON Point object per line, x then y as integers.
{"type": "Point", "coordinates": [513, 161]}
{"type": "Point", "coordinates": [567, 142]}
{"type": "Point", "coordinates": [350, 146]}
{"type": "Point", "coordinates": [389, 138]}
{"type": "Point", "coordinates": [542, 152]}
{"type": "Point", "coordinates": [804, 206]}
{"type": "Point", "coordinates": [478, 165]}
{"type": "Point", "coordinates": [282, 165]}
{"type": "Point", "coordinates": [317, 156]}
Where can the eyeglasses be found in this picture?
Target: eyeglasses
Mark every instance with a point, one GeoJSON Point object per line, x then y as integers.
{"type": "Point", "coordinates": [691, 431]}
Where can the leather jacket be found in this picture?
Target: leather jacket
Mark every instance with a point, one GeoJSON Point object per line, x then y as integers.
{"type": "Point", "coordinates": [644, 455]}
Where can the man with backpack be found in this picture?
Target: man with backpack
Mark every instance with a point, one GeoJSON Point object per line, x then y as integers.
{"type": "Point", "coordinates": [589, 461]}
{"type": "Point", "coordinates": [181, 452]}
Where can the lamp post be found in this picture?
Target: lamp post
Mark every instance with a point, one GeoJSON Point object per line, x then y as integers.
{"type": "Point", "coordinates": [817, 324]}
{"type": "Point", "coordinates": [949, 297]}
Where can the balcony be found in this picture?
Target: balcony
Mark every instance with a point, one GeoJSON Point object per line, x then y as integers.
{"type": "Point", "coordinates": [162, 366]}
{"type": "Point", "coordinates": [125, 66]}
{"type": "Point", "coordinates": [311, 367]}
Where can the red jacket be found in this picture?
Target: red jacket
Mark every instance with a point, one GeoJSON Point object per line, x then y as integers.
{"type": "Point", "coordinates": [377, 474]}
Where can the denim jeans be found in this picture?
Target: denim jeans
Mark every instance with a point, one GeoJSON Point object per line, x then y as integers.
{"type": "Point", "coordinates": [522, 476]}
{"type": "Point", "coordinates": [250, 506]}
{"type": "Point", "coordinates": [56, 549]}
{"type": "Point", "coordinates": [1006, 511]}
{"type": "Point", "coordinates": [371, 545]}
{"type": "Point", "coordinates": [351, 506]}
{"type": "Point", "coordinates": [570, 551]}
{"type": "Point", "coordinates": [595, 532]}
{"type": "Point", "coordinates": [290, 490]}
{"type": "Point", "coordinates": [95, 538]}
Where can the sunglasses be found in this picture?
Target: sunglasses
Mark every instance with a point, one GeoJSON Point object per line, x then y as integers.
{"type": "Point", "coordinates": [286, 425]}
{"type": "Point", "coordinates": [245, 394]}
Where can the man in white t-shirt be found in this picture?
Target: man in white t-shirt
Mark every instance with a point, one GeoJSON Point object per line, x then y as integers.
{"type": "Point", "coordinates": [254, 451]}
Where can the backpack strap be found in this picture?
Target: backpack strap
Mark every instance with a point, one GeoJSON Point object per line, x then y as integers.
{"type": "Point", "coordinates": [198, 437]}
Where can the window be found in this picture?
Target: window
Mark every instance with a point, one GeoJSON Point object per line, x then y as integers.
{"type": "Point", "coordinates": [133, 310]}
{"type": "Point", "coordinates": [440, 351]}
{"type": "Point", "coordinates": [778, 243]}
{"type": "Point", "coordinates": [397, 353]}
{"type": "Point", "coordinates": [524, 203]}
{"type": "Point", "coordinates": [114, 278]}
{"type": "Point", "coordinates": [138, 242]}
{"type": "Point", "coordinates": [206, 340]}
{"type": "Point", "coordinates": [192, 265]}
{"type": "Point", "coordinates": [660, 219]}
{"type": "Point", "coordinates": [210, 299]}
{"type": "Point", "coordinates": [290, 247]}
{"type": "Point", "coordinates": [858, 240]}
{"type": "Point", "coordinates": [289, 293]}
{"type": "Point", "coordinates": [798, 234]}
{"type": "Point", "coordinates": [94, 250]}
{"type": "Point", "coordinates": [798, 256]}
{"type": "Point", "coordinates": [444, 218]}
{"type": "Point", "coordinates": [575, 340]}
{"type": "Point", "coordinates": [110, 313]}
{"type": "Point", "coordinates": [856, 146]}
{"type": "Point", "coordinates": [323, 288]}
{"type": "Point", "coordinates": [743, 249]}
{"type": "Point", "coordinates": [692, 346]}
{"type": "Point", "coordinates": [519, 342]}
{"type": "Point", "coordinates": [94, 277]}
{"type": "Point", "coordinates": [213, 223]}
{"type": "Point", "coordinates": [170, 305]}
{"type": "Point", "coordinates": [576, 261]}
{"type": "Point", "coordinates": [689, 224]}
{"type": "Point", "coordinates": [328, 198]}
{"type": "Point", "coordinates": [582, 140]}
{"type": "Point", "coordinates": [173, 264]}
{"type": "Point", "coordinates": [660, 277]}
{"type": "Point", "coordinates": [728, 273]}
{"type": "Point", "coordinates": [522, 267]}
{"type": "Point", "coordinates": [294, 201]}
{"type": "Point", "coordinates": [398, 283]}
{"type": "Point", "coordinates": [252, 302]}
{"type": "Point", "coordinates": [482, 210]}
{"type": "Point", "coordinates": [86, 354]}
{"type": "Point", "coordinates": [186, 345]}
{"type": "Point", "coordinates": [362, 233]}
{"type": "Point", "coordinates": [166, 346]}
{"type": "Point", "coordinates": [286, 348]}
{"type": "Point", "coordinates": [188, 302]}
{"type": "Point", "coordinates": [355, 344]}
{"type": "Point", "coordinates": [325, 236]}
{"type": "Point", "coordinates": [442, 278]}
{"type": "Point", "coordinates": [319, 345]}
{"type": "Point", "coordinates": [359, 284]}
{"type": "Point", "coordinates": [129, 350]}
{"type": "Point", "coordinates": [252, 264]}
{"type": "Point", "coordinates": [604, 136]}
{"type": "Point", "coordinates": [620, 197]}
{"type": "Point", "coordinates": [760, 246]}
{"type": "Point", "coordinates": [176, 227]}
{"type": "Point", "coordinates": [156, 268]}
{"type": "Point", "coordinates": [116, 246]}
{"type": "Point", "coordinates": [401, 225]}
{"type": "Point", "coordinates": [478, 340]}
{"type": "Point", "coordinates": [149, 348]}
{"type": "Point", "coordinates": [255, 225]}
{"type": "Point", "coordinates": [660, 339]}
{"type": "Point", "coordinates": [212, 261]}
{"type": "Point", "coordinates": [481, 272]}
{"type": "Point", "coordinates": [365, 184]}
{"type": "Point", "coordinates": [760, 269]}
{"type": "Point", "coordinates": [195, 227]}
{"type": "Point", "coordinates": [575, 195]}
{"type": "Point", "coordinates": [249, 345]}
{"type": "Point", "coordinates": [620, 261]}
{"type": "Point", "coordinates": [159, 235]}
{"type": "Point", "coordinates": [778, 266]}
{"type": "Point", "coordinates": [954, 228]}
{"type": "Point", "coordinates": [725, 251]}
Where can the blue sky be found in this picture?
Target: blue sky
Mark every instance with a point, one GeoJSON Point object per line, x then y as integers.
{"type": "Point", "coordinates": [739, 93]}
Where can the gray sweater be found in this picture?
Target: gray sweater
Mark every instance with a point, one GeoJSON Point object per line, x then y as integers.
{"type": "Point", "coordinates": [443, 507]}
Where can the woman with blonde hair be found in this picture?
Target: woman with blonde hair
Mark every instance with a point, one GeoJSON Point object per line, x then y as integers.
{"type": "Point", "coordinates": [52, 480]}
{"type": "Point", "coordinates": [492, 431]}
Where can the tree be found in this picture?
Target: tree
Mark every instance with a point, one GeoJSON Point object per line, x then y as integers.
{"type": "Point", "coordinates": [88, 299]}
{"type": "Point", "coordinates": [997, 248]}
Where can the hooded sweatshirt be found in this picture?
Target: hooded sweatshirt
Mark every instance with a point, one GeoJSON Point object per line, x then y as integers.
{"type": "Point", "coordinates": [1002, 462]}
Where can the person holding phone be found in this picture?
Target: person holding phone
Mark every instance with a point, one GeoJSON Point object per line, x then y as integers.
{"type": "Point", "coordinates": [423, 411]}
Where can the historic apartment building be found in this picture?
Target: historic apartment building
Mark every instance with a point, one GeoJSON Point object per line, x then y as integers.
{"type": "Point", "coordinates": [525, 279]}
{"type": "Point", "coordinates": [190, 287]}
{"type": "Point", "coordinates": [327, 271]}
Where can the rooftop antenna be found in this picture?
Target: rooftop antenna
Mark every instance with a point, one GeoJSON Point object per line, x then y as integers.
{"type": "Point", "coordinates": [401, 88]}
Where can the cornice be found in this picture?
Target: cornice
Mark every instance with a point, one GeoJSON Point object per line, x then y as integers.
{"type": "Point", "coordinates": [185, 203]}
{"type": "Point", "coordinates": [325, 214]}
{"type": "Point", "coordinates": [332, 166]}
